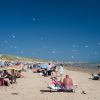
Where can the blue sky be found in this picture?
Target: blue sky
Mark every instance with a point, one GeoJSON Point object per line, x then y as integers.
{"type": "Point", "coordinates": [51, 29]}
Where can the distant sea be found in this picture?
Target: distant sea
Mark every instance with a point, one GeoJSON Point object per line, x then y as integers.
{"type": "Point", "coordinates": [86, 65]}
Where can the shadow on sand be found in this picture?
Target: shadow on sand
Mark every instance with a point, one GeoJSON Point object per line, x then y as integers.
{"type": "Point", "coordinates": [54, 91]}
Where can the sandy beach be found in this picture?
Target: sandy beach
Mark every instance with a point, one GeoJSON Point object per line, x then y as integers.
{"type": "Point", "coordinates": [28, 88]}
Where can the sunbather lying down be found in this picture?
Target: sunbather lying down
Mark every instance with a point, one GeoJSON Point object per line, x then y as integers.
{"type": "Point", "coordinates": [95, 76]}
{"type": "Point", "coordinates": [61, 88]}
{"type": "Point", "coordinates": [66, 85]}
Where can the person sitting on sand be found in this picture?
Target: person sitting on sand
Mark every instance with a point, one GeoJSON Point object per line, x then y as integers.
{"type": "Point", "coordinates": [19, 75]}
{"type": "Point", "coordinates": [56, 82]}
{"type": "Point", "coordinates": [67, 83]}
{"type": "Point", "coordinates": [13, 73]}
{"type": "Point", "coordinates": [6, 74]}
{"type": "Point", "coordinates": [45, 73]}
{"type": "Point", "coordinates": [54, 73]}
{"type": "Point", "coordinates": [56, 85]}
{"type": "Point", "coordinates": [7, 77]}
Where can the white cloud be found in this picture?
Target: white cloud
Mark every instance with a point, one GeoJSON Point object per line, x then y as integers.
{"type": "Point", "coordinates": [11, 46]}
{"type": "Point", "coordinates": [74, 50]}
{"type": "Point", "coordinates": [42, 38]}
{"type": "Point", "coordinates": [96, 53]}
{"type": "Point", "coordinates": [13, 36]}
{"type": "Point", "coordinates": [86, 41]}
{"type": "Point", "coordinates": [21, 52]}
{"type": "Point", "coordinates": [53, 52]}
{"type": "Point", "coordinates": [34, 19]}
{"type": "Point", "coordinates": [72, 57]}
{"type": "Point", "coordinates": [5, 41]}
{"type": "Point", "coordinates": [86, 46]}
{"type": "Point", "coordinates": [45, 47]}
{"type": "Point", "coordinates": [73, 46]}
{"type": "Point", "coordinates": [98, 43]}
{"type": "Point", "coordinates": [15, 47]}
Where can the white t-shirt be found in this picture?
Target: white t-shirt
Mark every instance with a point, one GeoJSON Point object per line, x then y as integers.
{"type": "Point", "coordinates": [61, 69]}
{"type": "Point", "coordinates": [49, 67]}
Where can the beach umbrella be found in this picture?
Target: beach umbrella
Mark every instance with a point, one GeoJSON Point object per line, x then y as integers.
{"type": "Point", "coordinates": [43, 66]}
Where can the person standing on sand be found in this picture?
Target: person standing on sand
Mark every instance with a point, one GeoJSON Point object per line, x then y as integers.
{"type": "Point", "coordinates": [61, 70]}
{"type": "Point", "coordinates": [98, 66]}
{"type": "Point", "coordinates": [49, 69]}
